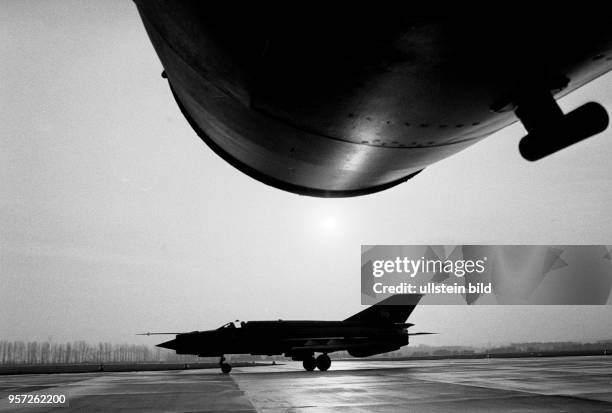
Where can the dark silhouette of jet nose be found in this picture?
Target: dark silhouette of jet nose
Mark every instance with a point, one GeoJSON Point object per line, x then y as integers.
{"type": "Point", "coordinates": [168, 344]}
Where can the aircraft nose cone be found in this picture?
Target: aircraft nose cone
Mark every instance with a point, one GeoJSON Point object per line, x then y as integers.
{"type": "Point", "coordinates": [168, 344]}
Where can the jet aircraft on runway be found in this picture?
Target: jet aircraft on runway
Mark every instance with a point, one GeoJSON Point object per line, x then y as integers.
{"type": "Point", "coordinates": [378, 329]}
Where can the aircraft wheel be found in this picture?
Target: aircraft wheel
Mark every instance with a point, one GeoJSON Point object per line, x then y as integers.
{"type": "Point", "coordinates": [226, 368]}
{"type": "Point", "coordinates": [309, 364]}
{"type": "Point", "coordinates": [323, 362]}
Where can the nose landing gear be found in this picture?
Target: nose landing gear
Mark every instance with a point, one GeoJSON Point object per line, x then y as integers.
{"type": "Point", "coordinates": [225, 367]}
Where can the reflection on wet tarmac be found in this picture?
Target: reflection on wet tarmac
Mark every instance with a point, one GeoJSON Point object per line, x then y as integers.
{"type": "Point", "coordinates": [539, 384]}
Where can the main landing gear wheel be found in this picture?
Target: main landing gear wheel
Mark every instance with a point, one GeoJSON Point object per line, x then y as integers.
{"type": "Point", "coordinates": [323, 362]}
{"type": "Point", "coordinates": [225, 367]}
{"type": "Point", "coordinates": [309, 364]}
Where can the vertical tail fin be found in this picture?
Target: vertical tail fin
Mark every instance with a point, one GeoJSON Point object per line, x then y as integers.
{"type": "Point", "coordinates": [394, 309]}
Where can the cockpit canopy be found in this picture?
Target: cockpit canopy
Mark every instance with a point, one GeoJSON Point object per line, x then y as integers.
{"type": "Point", "coordinates": [232, 324]}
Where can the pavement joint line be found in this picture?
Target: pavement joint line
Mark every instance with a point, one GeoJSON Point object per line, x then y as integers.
{"type": "Point", "coordinates": [245, 394]}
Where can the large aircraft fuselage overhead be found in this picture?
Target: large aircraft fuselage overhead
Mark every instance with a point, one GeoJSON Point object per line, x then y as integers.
{"type": "Point", "coordinates": [378, 329]}
{"type": "Point", "coordinates": [346, 100]}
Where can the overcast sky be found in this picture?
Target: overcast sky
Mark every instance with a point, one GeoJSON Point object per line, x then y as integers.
{"type": "Point", "coordinates": [116, 219]}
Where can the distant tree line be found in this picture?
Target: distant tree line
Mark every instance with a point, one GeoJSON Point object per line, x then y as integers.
{"type": "Point", "coordinates": [535, 347]}
{"type": "Point", "coordinates": [34, 352]}
{"type": "Point", "coordinates": [551, 347]}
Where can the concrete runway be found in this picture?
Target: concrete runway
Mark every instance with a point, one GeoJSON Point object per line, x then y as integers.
{"type": "Point", "coordinates": [517, 385]}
